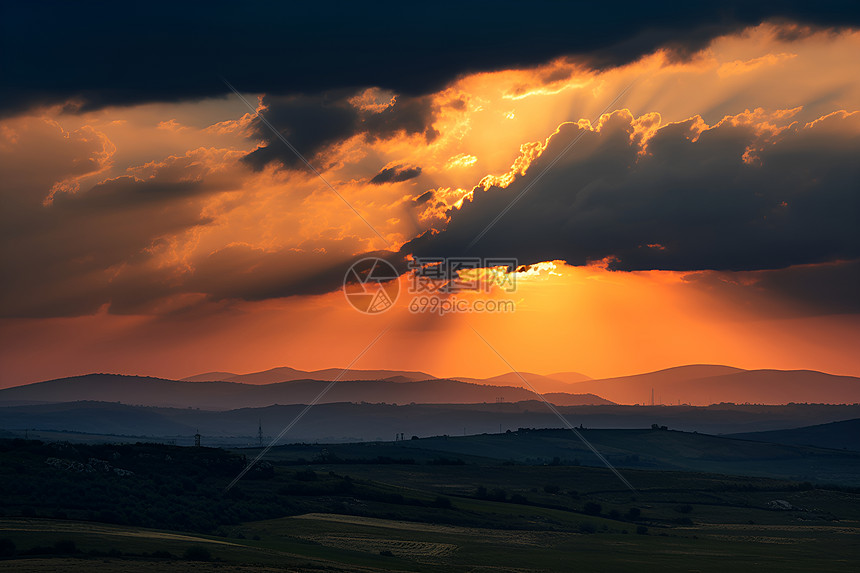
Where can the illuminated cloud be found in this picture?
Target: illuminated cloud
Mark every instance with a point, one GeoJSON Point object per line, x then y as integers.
{"type": "Point", "coordinates": [395, 174]}
{"type": "Point", "coordinates": [744, 66]}
{"type": "Point", "coordinates": [188, 220]}
{"type": "Point", "coordinates": [313, 124]}
{"type": "Point", "coordinates": [461, 160]}
{"type": "Point", "coordinates": [689, 187]}
{"type": "Point", "coordinates": [67, 255]}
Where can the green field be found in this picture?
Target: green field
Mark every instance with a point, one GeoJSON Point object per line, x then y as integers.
{"type": "Point", "coordinates": [403, 507]}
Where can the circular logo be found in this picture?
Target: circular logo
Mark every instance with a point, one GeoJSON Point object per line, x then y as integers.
{"type": "Point", "coordinates": [371, 285]}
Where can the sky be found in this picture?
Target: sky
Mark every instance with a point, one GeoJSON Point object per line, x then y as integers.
{"type": "Point", "coordinates": [677, 186]}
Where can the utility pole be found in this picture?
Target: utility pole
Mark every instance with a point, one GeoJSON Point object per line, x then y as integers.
{"type": "Point", "coordinates": [260, 433]}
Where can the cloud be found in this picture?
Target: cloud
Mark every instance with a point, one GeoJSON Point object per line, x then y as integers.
{"type": "Point", "coordinates": [149, 241]}
{"type": "Point", "coordinates": [744, 66]}
{"type": "Point", "coordinates": [313, 124]}
{"type": "Point", "coordinates": [828, 288]}
{"type": "Point", "coordinates": [172, 52]}
{"type": "Point", "coordinates": [71, 252]}
{"type": "Point", "coordinates": [744, 194]}
{"type": "Point", "coordinates": [395, 174]}
{"type": "Point", "coordinates": [243, 272]}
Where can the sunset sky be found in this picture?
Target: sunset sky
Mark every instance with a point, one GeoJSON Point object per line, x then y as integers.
{"type": "Point", "coordinates": [685, 186]}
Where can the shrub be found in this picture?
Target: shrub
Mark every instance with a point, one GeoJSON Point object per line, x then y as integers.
{"type": "Point", "coordinates": [197, 553]}
{"type": "Point", "coordinates": [65, 546]}
{"type": "Point", "coordinates": [553, 489]}
{"type": "Point", "coordinates": [642, 530]}
{"type": "Point", "coordinates": [686, 508]}
{"type": "Point", "coordinates": [634, 513]}
{"type": "Point", "coordinates": [7, 548]}
{"type": "Point", "coordinates": [592, 508]}
{"type": "Point", "coordinates": [587, 527]}
{"type": "Point", "coordinates": [306, 475]}
{"type": "Point", "coordinates": [442, 501]}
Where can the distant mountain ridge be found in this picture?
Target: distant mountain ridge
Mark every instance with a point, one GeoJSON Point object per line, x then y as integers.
{"type": "Point", "coordinates": [844, 434]}
{"type": "Point", "coordinates": [697, 385]}
{"type": "Point", "coordinates": [559, 382]}
{"type": "Point", "coordinates": [339, 421]}
{"type": "Point", "coordinates": [538, 382]}
{"type": "Point", "coordinates": [227, 395]}
{"type": "Point", "coordinates": [702, 384]}
{"type": "Point", "coordinates": [287, 374]}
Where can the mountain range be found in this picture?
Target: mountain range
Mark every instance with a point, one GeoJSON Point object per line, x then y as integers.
{"type": "Point", "coordinates": [700, 385]}
{"type": "Point", "coordinates": [287, 374]}
{"type": "Point", "coordinates": [696, 385]}
{"type": "Point", "coordinates": [228, 395]}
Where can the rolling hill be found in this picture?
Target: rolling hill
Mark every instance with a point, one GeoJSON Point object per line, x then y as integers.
{"type": "Point", "coordinates": [541, 383]}
{"type": "Point", "coordinates": [287, 374]}
{"type": "Point", "coordinates": [559, 382]}
{"type": "Point", "coordinates": [701, 385]}
{"type": "Point", "coordinates": [657, 449]}
{"type": "Point", "coordinates": [338, 422]}
{"type": "Point", "coordinates": [836, 435]}
{"type": "Point", "coordinates": [228, 395]}
{"type": "Point", "coordinates": [569, 377]}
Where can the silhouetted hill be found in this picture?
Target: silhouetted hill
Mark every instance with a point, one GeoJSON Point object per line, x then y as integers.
{"type": "Point", "coordinates": [658, 449]}
{"type": "Point", "coordinates": [95, 418]}
{"type": "Point", "coordinates": [287, 374]}
{"type": "Point", "coordinates": [703, 385]}
{"type": "Point", "coordinates": [209, 377]}
{"type": "Point", "coordinates": [837, 435]}
{"type": "Point", "coordinates": [542, 384]}
{"type": "Point", "coordinates": [570, 377]}
{"type": "Point", "coordinates": [226, 395]}
{"type": "Point", "coordinates": [132, 390]}
{"type": "Point", "coordinates": [339, 422]}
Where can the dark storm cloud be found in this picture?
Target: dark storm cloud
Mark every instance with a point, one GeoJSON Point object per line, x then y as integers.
{"type": "Point", "coordinates": [85, 247]}
{"type": "Point", "coordinates": [822, 288]}
{"type": "Point", "coordinates": [241, 272]}
{"type": "Point", "coordinates": [313, 123]}
{"type": "Point", "coordinates": [107, 53]}
{"type": "Point", "coordinates": [692, 202]}
{"type": "Point", "coordinates": [81, 248]}
{"type": "Point", "coordinates": [309, 123]}
{"type": "Point", "coordinates": [395, 174]}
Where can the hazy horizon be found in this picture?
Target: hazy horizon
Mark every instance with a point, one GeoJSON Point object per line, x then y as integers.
{"type": "Point", "coordinates": [548, 283]}
{"type": "Point", "coordinates": [153, 373]}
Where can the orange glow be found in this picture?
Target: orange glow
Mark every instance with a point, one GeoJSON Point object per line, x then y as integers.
{"type": "Point", "coordinates": [491, 127]}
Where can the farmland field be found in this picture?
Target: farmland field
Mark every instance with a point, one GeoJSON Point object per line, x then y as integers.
{"type": "Point", "coordinates": [361, 507]}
